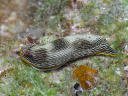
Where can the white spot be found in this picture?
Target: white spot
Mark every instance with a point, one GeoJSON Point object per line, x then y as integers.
{"type": "Point", "coordinates": [103, 8]}
{"type": "Point", "coordinates": [21, 45]}
{"type": "Point", "coordinates": [125, 19]}
{"type": "Point", "coordinates": [126, 49]}
{"type": "Point", "coordinates": [126, 68]}
{"type": "Point", "coordinates": [118, 71]}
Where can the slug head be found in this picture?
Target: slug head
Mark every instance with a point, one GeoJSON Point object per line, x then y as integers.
{"type": "Point", "coordinates": [103, 48]}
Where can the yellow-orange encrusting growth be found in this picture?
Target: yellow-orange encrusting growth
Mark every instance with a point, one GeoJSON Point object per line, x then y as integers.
{"type": "Point", "coordinates": [86, 76]}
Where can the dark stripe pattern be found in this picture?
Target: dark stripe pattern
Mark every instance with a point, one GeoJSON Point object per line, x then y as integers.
{"type": "Point", "coordinates": [36, 57]}
{"type": "Point", "coordinates": [60, 44]}
{"type": "Point", "coordinates": [82, 44]}
{"type": "Point", "coordinates": [64, 50]}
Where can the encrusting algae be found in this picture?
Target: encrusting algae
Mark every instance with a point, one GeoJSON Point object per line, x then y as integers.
{"type": "Point", "coordinates": [86, 76]}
